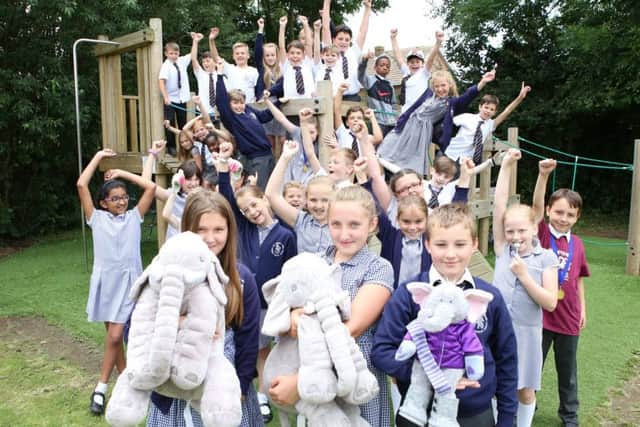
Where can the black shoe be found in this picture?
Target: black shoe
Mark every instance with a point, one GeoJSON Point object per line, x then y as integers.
{"type": "Point", "coordinates": [95, 407]}
{"type": "Point", "coordinates": [265, 411]}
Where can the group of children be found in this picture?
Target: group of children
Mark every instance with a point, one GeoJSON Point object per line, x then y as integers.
{"type": "Point", "coordinates": [295, 205]}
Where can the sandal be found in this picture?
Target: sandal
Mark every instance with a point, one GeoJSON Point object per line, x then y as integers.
{"type": "Point", "coordinates": [265, 411]}
{"type": "Point", "coordinates": [95, 407]}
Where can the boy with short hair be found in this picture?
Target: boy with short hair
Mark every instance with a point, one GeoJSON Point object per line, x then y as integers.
{"type": "Point", "coordinates": [206, 76]}
{"type": "Point", "coordinates": [174, 86]}
{"type": "Point", "coordinates": [475, 128]}
{"type": "Point", "coordinates": [346, 131]}
{"type": "Point", "coordinates": [381, 96]}
{"type": "Point", "coordinates": [562, 327]}
{"type": "Point", "coordinates": [241, 75]}
{"type": "Point", "coordinates": [451, 241]}
{"type": "Point", "coordinates": [350, 53]}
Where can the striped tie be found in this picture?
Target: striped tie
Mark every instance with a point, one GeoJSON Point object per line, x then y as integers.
{"type": "Point", "coordinates": [299, 80]}
{"type": "Point", "coordinates": [433, 201]}
{"type": "Point", "coordinates": [327, 74]}
{"type": "Point", "coordinates": [354, 145]}
{"type": "Point", "coordinates": [477, 144]}
{"type": "Point", "coordinates": [212, 91]}
{"type": "Point", "coordinates": [435, 375]}
{"type": "Point", "coordinates": [345, 66]}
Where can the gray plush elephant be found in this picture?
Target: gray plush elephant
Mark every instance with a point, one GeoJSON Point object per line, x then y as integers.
{"type": "Point", "coordinates": [333, 378]}
{"type": "Point", "coordinates": [180, 303]}
{"type": "Point", "coordinates": [444, 338]}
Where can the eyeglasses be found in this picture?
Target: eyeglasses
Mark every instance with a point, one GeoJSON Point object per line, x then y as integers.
{"type": "Point", "coordinates": [116, 199]}
{"type": "Point", "coordinates": [406, 189]}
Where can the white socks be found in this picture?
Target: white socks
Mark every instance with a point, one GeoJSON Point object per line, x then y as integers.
{"type": "Point", "coordinates": [100, 388]}
{"type": "Point", "coordinates": [395, 396]}
{"type": "Point", "coordinates": [262, 398]}
{"type": "Point", "coordinates": [525, 413]}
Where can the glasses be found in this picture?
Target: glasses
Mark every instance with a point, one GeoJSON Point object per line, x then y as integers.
{"type": "Point", "coordinates": [406, 189]}
{"type": "Point", "coordinates": [116, 199]}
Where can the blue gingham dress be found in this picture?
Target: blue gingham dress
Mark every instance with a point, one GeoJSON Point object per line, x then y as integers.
{"type": "Point", "coordinates": [366, 267]}
{"type": "Point", "coordinates": [251, 416]}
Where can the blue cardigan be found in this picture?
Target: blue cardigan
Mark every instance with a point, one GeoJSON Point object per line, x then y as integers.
{"type": "Point", "coordinates": [498, 341]}
{"type": "Point", "coordinates": [246, 127]}
{"type": "Point", "coordinates": [265, 261]}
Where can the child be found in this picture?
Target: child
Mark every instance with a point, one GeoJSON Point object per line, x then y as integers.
{"type": "Point", "coordinates": [174, 86]}
{"type": "Point", "coordinates": [408, 144]}
{"type": "Point", "coordinates": [241, 75]}
{"type": "Point", "coordinates": [451, 239]}
{"type": "Point", "coordinates": [117, 262]}
{"type": "Point", "coordinates": [369, 281]}
{"type": "Point", "coordinates": [355, 116]}
{"type": "Point", "coordinates": [265, 245]}
{"type": "Point", "coordinates": [312, 231]}
{"type": "Point", "coordinates": [350, 53]}
{"type": "Point", "coordinates": [415, 70]}
{"type": "Point", "coordinates": [293, 193]}
{"type": "Point", "coordinates": [297, 70]}
{"type": "Point", "coordinates": [475, 128]}
{"type": "Point", "coordinates": [381, 96]}
{"type": "Point", "coordinates": [206, 76]}
{"type": "Point", "coordinates": [527, 277]}
{"type": "Point", "coordinates": [268, 60]}
{"type": "Point", "coordinates": [245, 124]}
{"type": "Point", "coordinates": [209, 215]}
{"type": "Point", "coordinates": [562, 326]}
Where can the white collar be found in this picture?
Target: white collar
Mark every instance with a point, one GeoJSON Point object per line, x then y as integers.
{"type": "Point", "coordinates": [434, 275]}
{"type": "Point", "coordinates": [555, 233]}
{"type": "Point", "coordinates": [406, 240]}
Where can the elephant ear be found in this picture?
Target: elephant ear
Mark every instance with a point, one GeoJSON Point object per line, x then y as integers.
{"type": "Point", "coordinates": [153, 269]}
{"type": "Point", "coordinates": [478, 301]}
{"type": "Point", "coordinates": [420, 292]}
{"type": "Point", "coordinates": [277, 321]}
{"type": "Point", "coordinates": [217, 280]}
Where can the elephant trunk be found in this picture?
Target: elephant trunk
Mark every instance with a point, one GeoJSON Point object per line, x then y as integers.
{"type": "Point", "coordinates": [166, 323]}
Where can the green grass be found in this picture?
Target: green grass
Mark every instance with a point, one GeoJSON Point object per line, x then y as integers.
{"type": "Point", "coordinates": [50, 280]}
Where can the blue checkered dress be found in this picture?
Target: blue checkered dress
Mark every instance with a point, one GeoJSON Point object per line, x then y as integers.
{"type": "Point", "coordinates": [367, 268]}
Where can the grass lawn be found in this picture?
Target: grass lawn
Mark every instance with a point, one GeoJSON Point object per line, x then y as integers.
{"type": "Point", "coordinates": [50, 280]}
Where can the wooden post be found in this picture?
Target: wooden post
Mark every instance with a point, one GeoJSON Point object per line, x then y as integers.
{"type": "Point", "coordinates": [325, 120]}
{"type": "Point", "coordinates": [512, 137]}
{"type": "Point", "coordinates": [633, 253]}
{"type": "Point", "coordinates": [484, 223]}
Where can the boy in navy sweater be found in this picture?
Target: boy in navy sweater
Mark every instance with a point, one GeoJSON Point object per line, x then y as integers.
{"type": "Point", "coordinates": [245, 124]}
{"type": "Point", "coordinates": [451, 241]}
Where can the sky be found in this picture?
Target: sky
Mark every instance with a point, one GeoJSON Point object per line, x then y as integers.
{"type": "Point", "coordinates": [411, 17]}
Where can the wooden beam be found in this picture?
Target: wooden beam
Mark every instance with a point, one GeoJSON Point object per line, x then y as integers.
{"type": "Point", "coordinates": [325, 120]}
{"type": "Point", "coordinates": [127, 42]}
{"type": "Point", "coordinates": [513, 142]}
{"type": "Point", "coordinates": [633, 252]}
{"type": "Point", "coordinates": [293, 106]}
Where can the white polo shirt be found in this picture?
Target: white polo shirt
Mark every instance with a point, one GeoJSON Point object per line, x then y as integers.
{"type": "Point", "coordinates": [169, 74]}
{"type": "Point", "coordinates": [289, 83]}
{"type": "Point", "coordinates": [461, 145]}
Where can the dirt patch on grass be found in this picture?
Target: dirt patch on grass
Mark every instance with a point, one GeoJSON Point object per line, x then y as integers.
{"type": "Point", "coordinates": [13, 246]}
{"type": "Point", "coordinates": [35, 335]}
{"type": "Point", "coordinates": [623, 408]}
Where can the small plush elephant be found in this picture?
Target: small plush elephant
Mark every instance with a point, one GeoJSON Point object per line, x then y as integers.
{"type": "Point", "coordinates": [180, 303]}
{"type": "Point", "coordinates": [444, 338]}
{"type": "Point", "coordinates": [333, 378]}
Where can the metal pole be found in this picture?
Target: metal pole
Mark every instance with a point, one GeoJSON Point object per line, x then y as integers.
{"type": "Point", "coordinates": [78, 136]}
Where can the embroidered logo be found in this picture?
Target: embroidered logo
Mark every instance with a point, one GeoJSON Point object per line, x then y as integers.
{"type": "Point", "coordinates": [277, 249]}
{"type": "Point", "coordinates": [481, 324]}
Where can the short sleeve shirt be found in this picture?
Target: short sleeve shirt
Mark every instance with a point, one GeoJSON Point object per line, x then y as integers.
{"type": "Point", "coordinates": [461, 145]}
{"type": "Point", "coordinates": [289, 82]}
{"type": "Point", "coordinates": [169, 74]}
{"type": "Point", "coordinates": [244, 79]}
{"type": "Point", "coordinates": [415, 86]}
{"type": "Point", "coordinates": [353, 55]}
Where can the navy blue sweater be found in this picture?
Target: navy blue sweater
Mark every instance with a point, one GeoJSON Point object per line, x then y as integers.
{"type": "Point", "coordinates": [498, 340]}
{"type": "Point", "coordinates": [265, 261]}
{"type": "Point", "coordinates": [246, 127]}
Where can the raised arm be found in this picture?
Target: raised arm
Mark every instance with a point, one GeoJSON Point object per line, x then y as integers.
{"type": "Point", "coordinates": [222, 100]}
{"type": "Point", "coordinates": [195, 39]}
{"type": "Point", "coordinates": [376, 133]}
{"type": "Point", "coordinates": [326, 22]}
{"type": "Point", "coordinates": [273, 190]}
{"type": "Point", "coordinates": [337, 105]}
{"type": "Point", "coordinates": [148, 187]}
{"type": "Point", "coordinates": [501, 198]}
{"type": "Point", "coordinates": [167, 211]}
{"type": "Point", "coordinates": [213, 50]}
{"type": "Point", "coordinates": [396, 48]}
{"type": "Point", "coordinates": [85, 178]}
{"type": "Point", "coordinates": [317, 29]}
{"type": "Point", "coordinates": [488, 77]}
{"type": "Point", "coordinates": [147, 167]}
{"type": "Point", "coordinates": [512, 106]}
{"type": "Point", "coordinates": [364, 25]}
{"type": "Point", "coordinates": [258, 56]}
{"type": "Point", "coordinates": [380, 188]}
{"type": "Point", "coordinates": [277, 113]}
{"type": "Point", "coordinates": [282, 42]}
{"type": "Point", "coordinates": [545, 167]}
{"type": "Point", "coordinates": [362, 70]}
{"type": "Point", "coordinates": [428, 64]}
{"type": "Point", "coordinates": [308, 36]}
{"type": "Point", "coordinates": [305, 116]}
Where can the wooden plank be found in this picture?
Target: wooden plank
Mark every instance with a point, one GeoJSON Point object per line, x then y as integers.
{"type": "Point", "coordinates": [485, 221]}
{"type": "Point", "coordinates": [131, 162]}
{"type": "Point", "coordinates": [293, 106]}
{"type": "Point", "coordinates": [133, 124]}
{"type": "Point", "coordinates": [513, 142]}
{"type": "Point", "coordinates": [156, 116]}
{"type": "Point", "coordinates": [127, 42]}
{"type": "Point", "coordinates": [119, 117]}
{"type": "Point", "coordinates": [633, 251]}
{"type": "Point", "coordinates": [142, 65]}
{"type": "Point", "coordinates": [480, 267]}
{"type": "Point", "coordinates": [104, 103]}
{"type": "Point", "coordinates": [325, 119]}
{"type": "Point", "coordinates": [481, 208]}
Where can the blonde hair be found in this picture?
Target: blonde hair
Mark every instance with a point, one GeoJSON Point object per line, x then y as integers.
{"type": "Point", "coordinates": [182, 153]}
{"type": "Point", "coordinates": [237, 95]}
{"type": "Point", "coordinates": [239, 44]}
{"type": "Point", "coordinates": [292, 185]}
{"type": "Point", "coordinates": [441, 74]}
{"type": "Point", "coordinates": [319, 181]}
{"type": "Point", "coordinates": [205, 201]}
{"type": "Point", "coordinates": [330, 48]}
{"type": "Point", "coordinates": [522, 209]}
{"type": "Point", "coordinates": [347, 153]}
{"type": "Point", "coordinates": [412, 201]}
{"type": "Point", "coordinates": [271, 73]}
{"type": "Point", "coordinates": [250, 190]}
{"type": "Point", "coordinates": [449, 215]}
{"type": "Point", "coordinates": [357, 194]}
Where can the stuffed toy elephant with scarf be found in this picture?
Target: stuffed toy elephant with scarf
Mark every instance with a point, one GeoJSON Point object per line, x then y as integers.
{"type": "Point", "coordinates": [176, 340]}
{"type": "Point", "coordinates": [333, 378]}
{"type": "Point", "coordinates": [444, 338]}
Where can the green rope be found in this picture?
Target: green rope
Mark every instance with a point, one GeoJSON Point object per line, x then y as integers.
{"type": "Point", "coordinates": [389, 113]}
{"type": "Point", "coordinates": [553, 181]}
{"type": "Point", "coordinates": [570, 155]}
{"type": "Point", "coordinates": [596, 242]}
{"type": "Point", "coordinates": [575, 172]}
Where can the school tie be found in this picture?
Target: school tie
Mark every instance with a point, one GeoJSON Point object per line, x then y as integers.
{"type": "Point", "coordinates": [477, 144]}
{"type": "Point", "coordinates": [345, 66]}
{"type": "Point", "coordinates": [212, 91]}
{"type": "Point", "coordinates": [403, 90]}
{"type": "Point", "coordinates": [299, 80]}
{"type": "Point", "coordinates": [354, 145]}
{"type": "Point", "coordinates": [179, 76]}
{"type": "Point", "coordinates": [433, 201]}
{"type": "Point", "coordinates": [327, 74]}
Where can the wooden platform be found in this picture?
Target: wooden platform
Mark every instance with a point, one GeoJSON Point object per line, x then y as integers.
{"type": "Point", "coordinates": [480, 267]}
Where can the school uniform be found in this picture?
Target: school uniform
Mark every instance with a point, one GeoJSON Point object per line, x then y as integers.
{"type": "Point", "coordinates": [250, 136]}
{"type": "Point", "coordinates": [311, 235]}
{"type": "Point", "coordinates": [206, 80]}
{"type": "Point", "coordinates": [299, 169]}
{"type": "Point", "coordinates": [367, 268]}
{"type": "Point", "coordinates": [352, 56]}
{"type": "Point", "coordinates": [290, 83]}
{"type": "Point", "coordinates": [241, 349]}
{"type": "Point", "coordinates": [243, 78]}
{"type": "Point", "coordinates": [321, 71]}
{"type": "Point", "coordinates": [273, 127]}
{"type": "Point", "coordinates": [347, 139]}
{"type": "Point", "coordinates": [176, 81]}
{"type": "Point", "coordinates": [498, 342]}
{"type": "Point", "coordinates": [263, 256]}
{"type": "Point", "coordinates": [561, 327]}
{"type": "Point", "coordinates": [414, 85]}
{"type": "Point", "coordinates": [178, 207]}
{"type": "Point", "coordinates": [461, 145]}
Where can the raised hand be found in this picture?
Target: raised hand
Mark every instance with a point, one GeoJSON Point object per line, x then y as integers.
{"type": "Point", "coordinates": [305, 114]}
{"type": "Point", "coordinates": [283, 21]}
{"type": "Point", "coordinates": [439, 37]}
{"type": "Point", "coordinates": [360, 165]}
{"type": "Point", "coordinates": [524, 91]}
{"type": "Point", "coordinates": [177, 181]}
{"type": "Point", "coordinates": [158, 145]}
{"type": "Point", "coordinates": [197, 36]}
{"type": "Point", "coordinates": [213, 33]}
{"type": "Point", "coordinates": [112, 174]}
{"type": "Point", "coordinates": [546, 166]}
{"type": "Point", "coordinates": [393, 33]}
{"type": "Point", "coordinates": [303, 20]}
{"type": "Point", "coordinates": [289, 149]}
{"type": "Point", "coordinates": [330, 140]}
{"type": "Point", "coordinates": [260, 24]}
{"type": "Point", "coordinates": [317, 25]}
{"type": "Point", "coordinates": [512, 156]}
{"type": "Point", "coordinates": [107, 152]}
